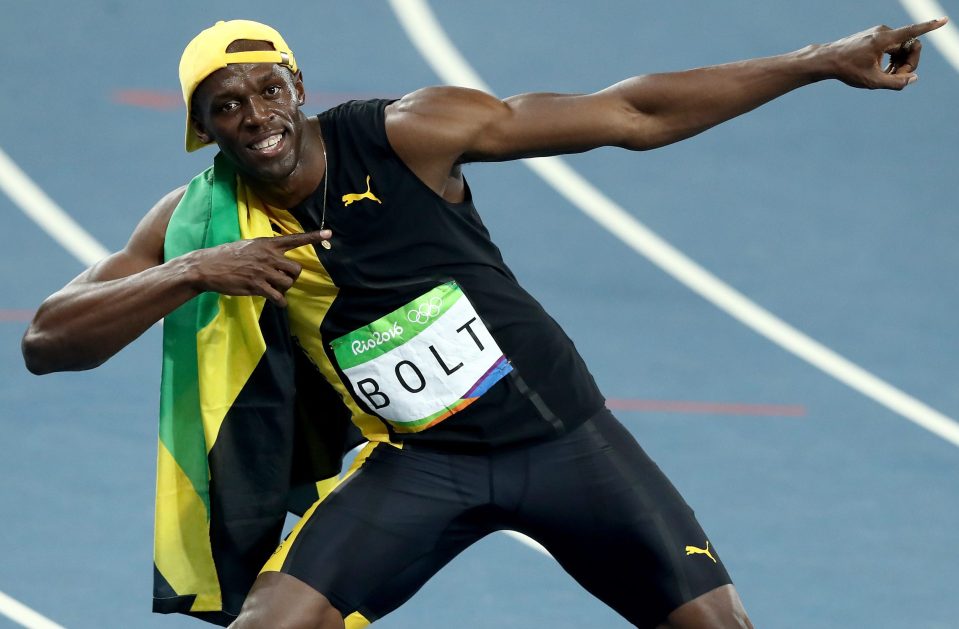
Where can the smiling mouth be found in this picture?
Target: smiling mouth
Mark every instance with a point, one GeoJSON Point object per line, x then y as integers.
{"type": "Point", "coordinates": [268, 144]}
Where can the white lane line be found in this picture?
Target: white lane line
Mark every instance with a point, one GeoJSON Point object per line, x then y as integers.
{"type": "Point", "coordinates": [426, 34]}
{"type": "Point", "coordinates": [23, 615]}
{"type": "Point", "coordinates": [38, 206]}
{"type": "Point", "coordinates": [529, 541]}
{"type": "Point", "coordinates": [946, 38]}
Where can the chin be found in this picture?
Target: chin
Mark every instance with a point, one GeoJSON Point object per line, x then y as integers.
{"type": "Point", "coordinates": [272, 171]}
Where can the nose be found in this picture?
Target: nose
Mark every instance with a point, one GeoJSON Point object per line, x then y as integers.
{"type": "Point", "coordinates": [258, 112]}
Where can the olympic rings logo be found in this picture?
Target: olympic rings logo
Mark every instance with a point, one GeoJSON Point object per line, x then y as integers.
{"type": "Point", "coordinates": [425, 311]}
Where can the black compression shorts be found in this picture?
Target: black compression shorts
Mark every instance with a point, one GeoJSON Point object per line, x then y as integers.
{"type": "Point", "coordinates": [592, 497]}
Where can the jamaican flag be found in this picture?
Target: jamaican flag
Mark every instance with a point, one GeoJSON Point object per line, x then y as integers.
{"type": "Point", "coordinates": [249, 429]}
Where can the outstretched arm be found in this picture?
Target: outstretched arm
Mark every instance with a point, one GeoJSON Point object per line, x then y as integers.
{"type": "Point", "coordinates": [436, 128]}
{"type": "Point", "coordinates": [118, 299]}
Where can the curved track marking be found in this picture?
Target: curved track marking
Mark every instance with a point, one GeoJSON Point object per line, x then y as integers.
{"type": "Point", "coordinates": [946, 38]}
{"type": "Point", "coordinates": [427, 35]}
{"type": "Point", "coordinates": [38, 206]}
{"type": "Point", "coordinates": [23, 615]}
{"type": "Point", "coordinates": [529, 541]}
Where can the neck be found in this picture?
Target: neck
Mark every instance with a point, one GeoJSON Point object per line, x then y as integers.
{"type": "Point", "coordinates": [306, 176]}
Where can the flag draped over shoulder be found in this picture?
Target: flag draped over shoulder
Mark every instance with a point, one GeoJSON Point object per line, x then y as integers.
{"type": "Point", "coordinates": [249, 429]}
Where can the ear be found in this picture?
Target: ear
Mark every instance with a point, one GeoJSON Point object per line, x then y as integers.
{"type": "Point", "coordinates": [199, 130]}
{"type": "Point", "coordinates": [298, 85]}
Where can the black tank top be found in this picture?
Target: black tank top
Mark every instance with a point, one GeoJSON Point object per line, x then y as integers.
{"type": "Point", "coordinates": [403, 259]}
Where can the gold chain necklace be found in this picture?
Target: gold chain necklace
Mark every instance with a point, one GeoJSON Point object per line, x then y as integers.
{"type": "Point", "coordinates": [326, 244]}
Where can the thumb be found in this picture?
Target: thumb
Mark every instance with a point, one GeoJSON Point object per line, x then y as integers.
{"type": "Point", "coordinates": [898, 81]}
{"type": "Point", "coordinates": [910, 78]}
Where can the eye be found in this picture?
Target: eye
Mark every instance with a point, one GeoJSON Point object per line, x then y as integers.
{"type": "Point", "coordinates": [272, 90]}
{"type": "Point", "coordinates": [229, 106]}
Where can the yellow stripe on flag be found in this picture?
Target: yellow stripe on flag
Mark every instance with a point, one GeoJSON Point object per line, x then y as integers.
{"type": "Point", "coordinates": [232, 343]}
{"type": "Point", "coordinates": [232, 347]}
{"type": "Point", "coordinates": [183, 558]}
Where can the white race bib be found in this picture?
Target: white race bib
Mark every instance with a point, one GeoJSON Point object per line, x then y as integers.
{"type": "Point", "coordinates": [422, 362]}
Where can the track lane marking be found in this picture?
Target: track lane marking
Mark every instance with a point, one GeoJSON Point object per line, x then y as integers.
{"type": "Point", "coordinates": [944, 38]}
{"type": "Point", "coordinates": [35, 203]}
{"type": "Point", "coordinates": [23, 615]}
{"type": "Point", "coordinates": [65, 231]}
{"type": "Point", "coordinates": [429, 38]}
{"type": "Point", "coordinates": [528, 541]}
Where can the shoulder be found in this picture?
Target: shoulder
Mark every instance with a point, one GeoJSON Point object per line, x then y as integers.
{"type": "Point", "coordinates": [169, 201]}
{"type": "Point", "coordinates": [159, 215]}
{"type": "Point", "coordinates": [441, 124]}
{"type": "Point", "coordinates": [147, 239]}
{"type": "Point", "coordinates": [444, 103]}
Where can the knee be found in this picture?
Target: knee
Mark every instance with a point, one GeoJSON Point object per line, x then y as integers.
{"type": "Point", "coordinates": [287, 618]}
{"type": "Point", "coordinates": [279, 601]}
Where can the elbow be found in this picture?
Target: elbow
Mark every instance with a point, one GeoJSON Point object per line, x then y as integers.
{"type": "Point", "coordinates": [646, 134]}
{"type": "Point", "coordinates": [639, 142]}
{"type": "Point", "coordinates": [650, 141]}
{"type": "Point", "coordinates": [33, 355]}
{"type": "Point", "coordinates": [37, 345]}
{"type": "Point", "coordinates": [38, 356]}
{"type": "Point", "coordinates": [41, 355]}
{"type": "Point", "coordinates": [642, 132]}
{"type": "Point", "coordinates": [639, 145]}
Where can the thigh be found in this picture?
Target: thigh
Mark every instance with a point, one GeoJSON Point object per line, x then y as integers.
{"type": "Point", "coordinates": [383, 532]}
{"type": "Point", "coordinates": [614, 521]}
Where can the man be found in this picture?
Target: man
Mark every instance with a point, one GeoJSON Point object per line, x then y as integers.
{"type": "Point", "coordinates": [480, 413]}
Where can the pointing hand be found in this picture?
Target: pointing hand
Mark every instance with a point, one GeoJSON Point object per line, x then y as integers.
{"type": "Point", "coordinates": [857, 60]}
{"type": "Point", "coordinates": [252, 267]}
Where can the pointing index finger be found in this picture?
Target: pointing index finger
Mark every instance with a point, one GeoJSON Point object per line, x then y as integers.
{"type": "Point", "coordinates": [292, 241]}
{"type": "Point", "coordinates": [899, 35]}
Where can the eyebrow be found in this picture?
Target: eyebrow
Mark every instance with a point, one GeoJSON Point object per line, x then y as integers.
{"type": "Point", "coordinates": [275, 75]}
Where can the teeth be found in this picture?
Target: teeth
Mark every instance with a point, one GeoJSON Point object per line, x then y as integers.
{"type": "Point", "coordinates": [269, 142]}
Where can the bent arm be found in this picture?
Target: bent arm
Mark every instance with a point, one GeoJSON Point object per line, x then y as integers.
{"type": "Point", "coordinates": [115, 301]}
{"type": "Point", "coordinates": [111, 303]}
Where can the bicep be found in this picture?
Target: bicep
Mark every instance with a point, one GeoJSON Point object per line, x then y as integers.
{"type": "Point", "coordinates": [459, 125]}
{"type": "Point", "coordinates": [539, 124]}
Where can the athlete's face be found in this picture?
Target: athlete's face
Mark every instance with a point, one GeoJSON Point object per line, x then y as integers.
{"type": "Point", "coordinates": [252, 112]}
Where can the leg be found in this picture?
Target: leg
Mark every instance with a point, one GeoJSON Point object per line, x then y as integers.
{"type": "Point", "coordinates": [716, 609]}
{"type": "Point", "coordinates": [371, 544]}
{"type": "Point", "coordinates": [613, 520]}
{"type": "Point", "coordinates": [279, 601]}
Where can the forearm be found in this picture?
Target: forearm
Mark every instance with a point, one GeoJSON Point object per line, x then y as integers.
{"type": "Point", "coordinates": [103, 310]}
{"type": "Point", "coordinates": [87, 322]}
{"type": "Point", "coordinates": [673, 106]}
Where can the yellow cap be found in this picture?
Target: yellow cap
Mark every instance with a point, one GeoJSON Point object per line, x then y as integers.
{"type": "Point", "coordinates": [207, 53]}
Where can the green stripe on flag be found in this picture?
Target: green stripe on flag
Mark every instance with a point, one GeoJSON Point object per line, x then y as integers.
{"type": "Point", "coordinates": [194, 224]}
